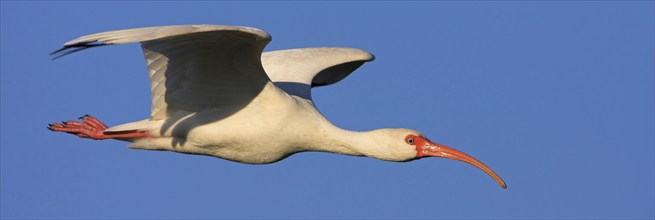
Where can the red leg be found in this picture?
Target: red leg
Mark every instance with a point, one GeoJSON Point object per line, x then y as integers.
{"type": "Point", "coordinates": [92, 128]}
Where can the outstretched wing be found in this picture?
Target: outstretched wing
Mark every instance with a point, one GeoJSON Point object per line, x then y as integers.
{"type": "Point", "coordinates": [193, 67]}
{"type": "Point", "coordinates": [296, 71]}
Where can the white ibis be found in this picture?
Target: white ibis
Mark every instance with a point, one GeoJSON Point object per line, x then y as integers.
{"type": "Point", "coordinates": [215, 93]}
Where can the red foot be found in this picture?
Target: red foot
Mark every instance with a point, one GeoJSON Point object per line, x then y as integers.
{"type": "Point", "coordinates": [90, 127]}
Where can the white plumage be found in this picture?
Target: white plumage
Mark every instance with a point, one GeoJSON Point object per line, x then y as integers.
{"type": "Point", "coordinates": [215, 93]}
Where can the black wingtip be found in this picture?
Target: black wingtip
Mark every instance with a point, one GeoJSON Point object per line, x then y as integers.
{"type": "Point", "coordinates": [69, 49]}
{"type": "Point", "coordinates": [57, 51]}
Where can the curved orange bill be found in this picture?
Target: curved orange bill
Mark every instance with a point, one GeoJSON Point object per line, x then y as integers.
{"type": "Point", "coordinates": [425, 147]}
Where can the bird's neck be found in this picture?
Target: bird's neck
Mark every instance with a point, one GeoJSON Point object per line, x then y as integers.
{"type": "Point", "coordinates": [336, 140]}
{"type": "Point", "coordinates": [321, 135]}
{"type": "Point", "coordinates": [340, 141]}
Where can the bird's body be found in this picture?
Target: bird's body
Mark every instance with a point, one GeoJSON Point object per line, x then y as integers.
{"type": "Point", "coordinates": [199, 132]}
{"type": "Point", "coordinates": [215, 93]}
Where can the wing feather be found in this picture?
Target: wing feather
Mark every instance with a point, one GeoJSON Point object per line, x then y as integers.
{"type": "Point", "coordinates": [297, 70]}
{"type": "Point", "coordinates": [193, 67]}
{"type": "Point", "coordinates": [153, 33]}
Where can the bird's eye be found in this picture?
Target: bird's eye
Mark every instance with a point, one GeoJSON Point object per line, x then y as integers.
{"type": "Point", "coordinates": [410, 140]}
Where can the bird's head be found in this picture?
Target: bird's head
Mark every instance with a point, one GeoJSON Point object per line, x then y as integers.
{"type": "Point", "coordinates": [406, 145]}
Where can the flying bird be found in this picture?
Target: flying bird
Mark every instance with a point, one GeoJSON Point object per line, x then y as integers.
{"type": "Point", "coordinates": [216, 93]}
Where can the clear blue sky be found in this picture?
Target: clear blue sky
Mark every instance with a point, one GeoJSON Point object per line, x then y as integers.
{"type": "Point", "coordinates": [557, 97]}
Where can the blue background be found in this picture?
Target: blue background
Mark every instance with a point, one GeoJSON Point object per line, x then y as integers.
{"type": "Point", "coordinates": [557, 97]}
